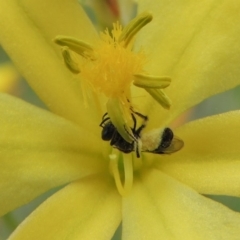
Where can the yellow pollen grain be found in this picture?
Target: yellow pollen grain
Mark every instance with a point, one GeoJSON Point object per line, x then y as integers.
{"type": "Point", "coordinates": [111, 73]}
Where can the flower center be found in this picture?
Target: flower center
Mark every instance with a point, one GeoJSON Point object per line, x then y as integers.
{"type": "Point", "coordinates": [112, 70]}
{"type": "Point", "coordinates": [110, 67]}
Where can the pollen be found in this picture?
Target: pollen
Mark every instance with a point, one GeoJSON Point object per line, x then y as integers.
{"type": "Point", "coordinates": [114, 67]}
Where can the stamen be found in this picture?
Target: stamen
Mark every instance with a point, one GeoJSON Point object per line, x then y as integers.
{"type": "Point", "coordinates": [148, 81]}
{"type": "Point", "coordinates": [69, 62]}
{"type": "Point", "coordinates": [128, 171]}
{"type": "Point", "coordinates": [113, 165]}
{"type": "Point", "coordinates": [120, 116]}
{"type": "Point", "coordinates": [137, 160]}
{"type": "Point", "coordinates": [160, 97]}
{"type": "Point", "coordinates": [80, 47]}
{"type": "Point", "coordinates": [134, 27]}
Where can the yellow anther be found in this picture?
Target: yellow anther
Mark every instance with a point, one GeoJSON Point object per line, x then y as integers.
{"type": "Point", "coordinates": [148, 81]}
{"type": "Point", "coordinates": [80, 47]}
{"type": "Point", "coordinates": [134, 27]}
{"type": "Point", "coordinates": [160, 97]}
{"type": "Point", "coordinates": [119, 117]}
{"type": "Point", "coordinates": [69, 62]}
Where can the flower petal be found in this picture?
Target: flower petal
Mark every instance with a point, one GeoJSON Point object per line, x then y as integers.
{"type": "Point", "coordinates": [197, 45]}
{"type": "Point", "coordinates": [161, 208]}
{"type": "Point", "coordinates": [40, 151]}
{"type": "Point", "coordinates": [87, 209]}
{"type": "Point", "coordinates": [209, 161]}
{"type": "Point", "coordinates": [60, 17]}
{"type": "Point", "coordinates": [27, 31]}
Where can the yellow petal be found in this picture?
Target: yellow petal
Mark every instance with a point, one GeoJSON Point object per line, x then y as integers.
{"type": "Point", "coordinates": [209, 161]}
{"type": "Point", "coordinates": [194, 43]}
{"type": "Point", "coordinates": [159, 207]}
{"type": "Point", "coordinates": [59, 17]}
{"type": "Point", "coordinates": [87, 209]}
{"type": "Point", "coordinates": [40, 151]}
{"type": "Point", "coordinates": [28, 41]}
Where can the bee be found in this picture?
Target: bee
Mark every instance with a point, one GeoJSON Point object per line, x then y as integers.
{"type": "Point", "coordinates": [110, 133]}
{"type": "Point", "coordinates": [155, 141]}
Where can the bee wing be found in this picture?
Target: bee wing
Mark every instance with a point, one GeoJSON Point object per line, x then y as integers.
{"type": "Point", "coordinates": [175, 145]}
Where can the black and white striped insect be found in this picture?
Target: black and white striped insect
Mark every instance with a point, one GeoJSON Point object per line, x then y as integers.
{"type": "Point", "coordinates": [158, 141]}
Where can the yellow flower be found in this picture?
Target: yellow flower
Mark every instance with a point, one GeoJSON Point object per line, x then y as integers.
{"type": "Point", "coordinates": [197, 44]}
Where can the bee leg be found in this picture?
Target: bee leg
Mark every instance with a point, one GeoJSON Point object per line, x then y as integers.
{"type": "Point", "coordinates": [134, 123]}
